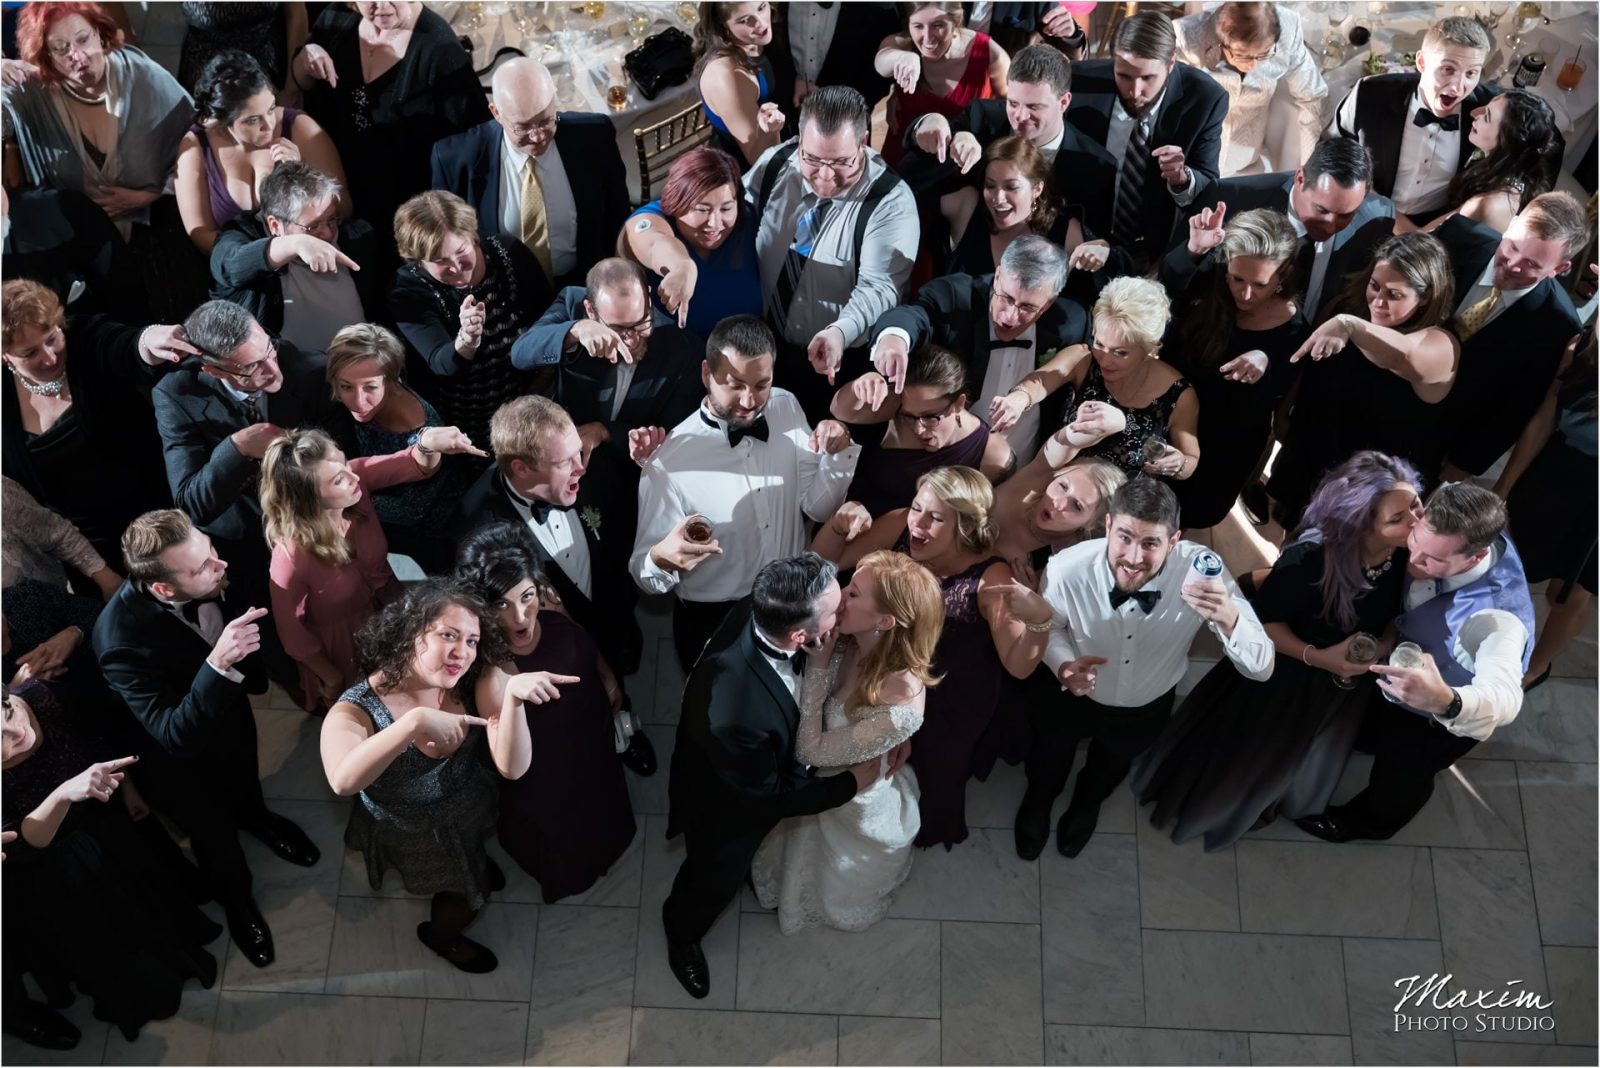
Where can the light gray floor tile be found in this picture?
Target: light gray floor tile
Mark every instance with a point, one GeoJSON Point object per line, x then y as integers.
{"type": "Point", "coordinates": [1295, 982]}
{"type": "Point", "coordinates": [1557, 722]}
{"type": "Point", "coordinates": [653, 982]}
{"type": "Point", "coordinates": [994, 803]}
{"type": "Point", "coordinates": [1511, 1053]}
{"type": "Point", "coordinates": [1299, 1049]}
{"type": "Point", "coordinates": [890, 969]}
{"type": "Point", "coordinates": [649, 796]}
{"type": "Point", "coordinates": [1372, 965]}
{"type": "Point", "coordinates": [1143, 1045]}
{"type": "Point", "coordinates": [283, 1028]}
{"type": "Point", "coordinates": [1571, 972]}
{"type": "Point", "coordinates": [990, 980]}
{"type": "Point", "coordinates": [473, 1032]}
{"type": "Point", "coordinates": [376, 951]}
{"type": "Point", "coordinates": [1182, 886]}
{"type": "Point", "coordinates": [184, 1039]}
{"type": "Point", "coordinates": [980, 879]}
{"type": "Point", "coordinates": [298, 903]}
{"type": "Point", "coordinates": [1478, 883]}
{"type": "Point", "coordinates": [289, 742]}
{"type": "Point", "coordinates": [1304, 888]}
{"type": "Point", "coordinates": [1558, 801]}
{"type": "Point", "coordinates": [881, 1040]}
{"type": "Point", "coordinates": [1092, 948]}
{"type": "Point", "coordinates": [583, 986]}
{"type": "Point", "coordinates": [701, 1036]}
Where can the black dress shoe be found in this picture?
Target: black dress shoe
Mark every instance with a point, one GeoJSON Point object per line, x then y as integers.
{"type": "Point", "coordinates": [497, 878]}
{"type": "Point", "coordinates": [250, 933]}
{"type": "Point", "coordinates": [1032, 831]}
{"type": "Point", "coordinates": [1328, 827]}
{"type": "Point", "coordinates": [459, 950]}
{"type": "Point", "coordinates": [1256, 503]}
{"type": "Point", "coordinates": [40, 1026]}
{"type": "Point", "coordinates": [640, 756]}
{"type": "Point", "coordinates": [1075, 830]}
{"type": "Point", "coordinates": [688, 963]}
{"type": "Point", "coordinates": [286, 840]}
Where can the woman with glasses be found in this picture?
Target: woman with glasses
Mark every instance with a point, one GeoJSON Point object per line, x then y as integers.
{"type": "Point", "coordinates": [938, 66]}
{"type": "Point", "coordinates": [240, 135]}
{"type": "Point", "coordinates": [461, 302]}
{"type": "Point", "coordinates": [66, 418]}
{"type": "Point", "coordinates": [929, 426]}
{"type": "Point", "coordinates": [698, 242]}
{"type": "Point", "coordinates": [738, 83]}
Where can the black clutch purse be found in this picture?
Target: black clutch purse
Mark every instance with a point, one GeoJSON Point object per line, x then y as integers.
{"type": "Point", "coordinates": [663, 60]}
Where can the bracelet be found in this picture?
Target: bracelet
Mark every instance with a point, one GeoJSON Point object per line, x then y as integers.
{"type": "Point", "coordinates": [1304, 653]}
{"type": "Point", "coordinates": [1026, 396]}
{"type": "Point", "coordinates": [1040, 628]}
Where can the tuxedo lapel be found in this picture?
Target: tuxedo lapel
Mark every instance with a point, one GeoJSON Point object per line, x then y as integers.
{"type": "Point", "coordinates": [762, 670]}
{"type": "Point", "coordinates": [979, 333]}
{"type": "Point", "coordinates": [489, 199]}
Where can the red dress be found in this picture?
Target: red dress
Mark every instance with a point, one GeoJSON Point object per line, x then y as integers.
{"type": "Point", "coordinates": [906, 109]}
{"type": "Point", "coordinates": [318, 606]}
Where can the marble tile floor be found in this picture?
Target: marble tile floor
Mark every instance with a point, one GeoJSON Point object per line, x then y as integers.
{"type": "Point", "coordinates": [1281, 950]}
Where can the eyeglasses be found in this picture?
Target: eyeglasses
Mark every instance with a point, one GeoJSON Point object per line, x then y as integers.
{"type": "Point", "coordinates": [839, 167]}
{"type": "Point", "coordinates": [1235, 55]}
{"type": "Point", "coordinates": [1008, 301]}
{"type": "Point", "coordinates": [61, 49]}
{"type": "Point", "coordinates": [317, 228]}
{"type": "Point", "coordinates": [255, 371]}
{"type": "Point", "coordinates": [633, 331]}
{"type": "Point", "coordinates": [929, 420]}
{"type": "Point", "coordinates": [543, 126]}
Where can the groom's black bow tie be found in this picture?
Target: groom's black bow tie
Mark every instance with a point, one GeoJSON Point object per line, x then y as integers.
{"type": "Point", "coordinates": [795, 658]}
{"type": "Point", "coordinates": [1147, 598]}
{"type": "Point", "coordinates": [1019, 343]}
{"type": "Point", "coordinates": [757, 429]}
{"type": "Point", "coordinates": [1424, 117]}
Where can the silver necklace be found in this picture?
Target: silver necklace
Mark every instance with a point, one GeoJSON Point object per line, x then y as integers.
{"type": "Point", "coordinates": [1375, 573]}
{"type": "Point", "coordinates": [43, 389]}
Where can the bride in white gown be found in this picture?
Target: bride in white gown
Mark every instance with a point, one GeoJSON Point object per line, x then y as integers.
{"type": "Point", "coordinates": [859, 699]}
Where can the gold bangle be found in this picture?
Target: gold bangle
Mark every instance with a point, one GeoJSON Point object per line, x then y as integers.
{"type": "Point", "coordinates": [1040, 628]}
{"type": "Point", "coordinates": [1026, 396]}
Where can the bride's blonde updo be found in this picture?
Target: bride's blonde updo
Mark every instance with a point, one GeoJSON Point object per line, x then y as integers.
{"type": "Point", "coordinates": [906, 590]}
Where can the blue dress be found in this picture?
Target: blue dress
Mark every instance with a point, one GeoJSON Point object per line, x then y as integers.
{"type": "Point", "coordinates": [730, 275]}
{"type": "Point", "coordinates": [721, 138]}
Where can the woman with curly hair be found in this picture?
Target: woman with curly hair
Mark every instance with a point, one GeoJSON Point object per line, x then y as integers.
{"type": "Point", "coordinates": [738, 83]}
{"type": "Point", "coordinates": [405, 743]}
{"type": "Point", "coordinates": [1239, 752]}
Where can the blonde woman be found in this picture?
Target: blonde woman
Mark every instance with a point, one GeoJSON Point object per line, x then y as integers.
{"type": "Point", "coordinates": [862, 695]}
{"type": "Point", "coordinates": [330, 559]}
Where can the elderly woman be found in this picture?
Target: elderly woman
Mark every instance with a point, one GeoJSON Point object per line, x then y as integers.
{"type": "Point", "coordinates": [240, 135]}
{"type": "Point", "coordinates": [461, 303]}
{"type": "Point", "coordinates": [330, 559]}
{"type": "Point", "coordinates": [365, 363]}
{"type": "Point", "coordinates": [738, 84]}
{"type": "Point", "coordinates": [65, 418]}
{"type": "Point", "coordinates": [84, 113]}
{"type": "Point", "coordinates": [1382, 368]}
{"type": "Point", "coordinates": [387, 81]}
{"type": "Point", "coordinates": [938, 66]}
{"type": "Point", "coordinates": [1157, 403]}
{"type": "Point", "coordinates": [1018, 197]}
{"type": "Point", "coordinates": [698, 242]}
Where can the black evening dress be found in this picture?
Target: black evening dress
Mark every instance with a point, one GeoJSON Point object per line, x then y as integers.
{"type": "Point", "coordinates": [257, 29]}
{"type": "Point", "coordinates": [1553, 504]}
{"type": "Point", "coordinates": [1125, 449]}
{"type": "Point", "coordinates": [1238, 751]}
{"type": "Point", "coordinates": [569, 818]}
{"type": "Point", "coordinates": [886, 479]}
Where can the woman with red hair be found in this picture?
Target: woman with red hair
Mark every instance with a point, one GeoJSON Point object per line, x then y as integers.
{"type": "Point", "coordinates": [84, 112]}
{"type": "Point", "coordinates": [698, 241]}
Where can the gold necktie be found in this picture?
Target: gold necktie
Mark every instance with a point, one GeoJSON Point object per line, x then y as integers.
{"type": "Point", "coordinates": [1472, 320]}
{"type": "Point", "coordinates": [535, 225]}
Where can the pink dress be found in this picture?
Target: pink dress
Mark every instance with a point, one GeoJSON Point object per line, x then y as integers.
{"type": "Point", "coordinates": [319, 606]}
{"type": "Point", "coordinates": [905, 109]}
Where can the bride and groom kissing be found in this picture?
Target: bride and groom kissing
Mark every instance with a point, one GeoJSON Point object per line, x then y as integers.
{"type": "Point", "coordinates": [791, 750]}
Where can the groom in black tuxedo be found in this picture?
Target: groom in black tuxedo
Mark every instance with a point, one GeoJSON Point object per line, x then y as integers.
{"type": "Point", "coordinates": [734, 772]}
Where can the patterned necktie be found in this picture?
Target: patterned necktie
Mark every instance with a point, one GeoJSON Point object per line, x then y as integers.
{"type": "Point", "coordinates": [251, 403]}
{"type": "Point", "coordinates": [535, 224]}
{"type": "Point", "coordinates": [1125, 225]}
{"type": "Point", "coordinates": [1473, 319]}
{"type": "Point", "coordinates": [805, 238]}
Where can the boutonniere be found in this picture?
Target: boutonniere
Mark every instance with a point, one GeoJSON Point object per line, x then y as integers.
{"type": "Point", "coordinates": [1045, 356]}
{"type": "Point", "coordinates": [591, 519]}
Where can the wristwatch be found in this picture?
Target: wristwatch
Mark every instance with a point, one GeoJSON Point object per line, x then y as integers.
{"type": "Point", "coordinates": [1453, 709]}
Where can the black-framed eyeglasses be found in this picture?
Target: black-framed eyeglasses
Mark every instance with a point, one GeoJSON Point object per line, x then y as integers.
{"type": "Point", "coordinates": [633, 331]}
{"type": "Point", "coordinates": [928, 420]}
{"type": "Point", "coordinates": [839, 167]}
{"type": "Point", "coordinates": [252, 373]}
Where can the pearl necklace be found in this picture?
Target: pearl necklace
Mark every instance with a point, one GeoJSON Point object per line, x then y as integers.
{"type": "Point", "coordinates": [92, 101]}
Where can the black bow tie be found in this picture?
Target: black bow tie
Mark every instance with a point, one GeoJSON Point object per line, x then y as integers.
{"type": "Point", "coordinates": [757, 429]}
{"type": "Point", "coordinates": [541, 510]}
{"type": "Point", "coordinates": [1147, 598]}
{"type": "Point", "coordinates": [1424, 117]}
{"type": "Point", "coordinates": [1019, 343]}
{"type": "Point", "coordinates": [795, 659]}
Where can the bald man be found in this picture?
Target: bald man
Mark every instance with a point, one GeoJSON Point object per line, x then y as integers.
{"type": "Point", "coordinates": [551, 179]}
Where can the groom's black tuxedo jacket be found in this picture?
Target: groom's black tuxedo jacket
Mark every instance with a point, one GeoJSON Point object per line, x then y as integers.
{"type": "Point", "coordinates": [734, 766]}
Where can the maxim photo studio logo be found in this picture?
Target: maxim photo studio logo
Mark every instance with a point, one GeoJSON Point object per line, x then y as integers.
{"type": "Point", "coordinates": [1437, 1003]}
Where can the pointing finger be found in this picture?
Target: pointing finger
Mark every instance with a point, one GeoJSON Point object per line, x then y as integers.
{"type": "Point", "coordinates": [474, 721]}
{"type": "Point", "coordinates": [251, 615]}
{"type": "Point", "coordinates": [120, 763]}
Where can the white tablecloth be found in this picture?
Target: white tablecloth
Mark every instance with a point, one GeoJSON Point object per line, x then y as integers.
{"type": "Point", "coordinates": [583, 54]}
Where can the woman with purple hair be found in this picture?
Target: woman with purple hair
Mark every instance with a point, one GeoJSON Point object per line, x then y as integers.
{"type": "Point", "coordinates": [1239, 753]}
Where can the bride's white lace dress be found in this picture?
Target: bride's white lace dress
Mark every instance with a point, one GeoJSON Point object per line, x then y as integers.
{"type": "Point", "coordinates": [841, 867]}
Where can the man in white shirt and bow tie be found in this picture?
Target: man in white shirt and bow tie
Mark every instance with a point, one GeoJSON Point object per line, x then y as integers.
{"type": "Point", "coordinates": [744, 472]}
{"type": "Point", "coordinates": [1124, 622]}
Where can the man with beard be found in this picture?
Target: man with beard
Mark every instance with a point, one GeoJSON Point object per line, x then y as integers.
{"type": "Point", "coordinates": [732, 486]}
{"type": "Point", "coordinates": [1124, 620]}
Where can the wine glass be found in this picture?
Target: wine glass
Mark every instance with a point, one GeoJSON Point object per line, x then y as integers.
{"type": "Point", "coordinates": [689, 13]}
{"type": "Point", "coordinates": [1363, 649]}
{"type": "Point", "coordinates": [474, 19]}
{"type": "Point", "coordinates": [638, 23]}
{"type": "Point", "coordinates": [1526, 18]}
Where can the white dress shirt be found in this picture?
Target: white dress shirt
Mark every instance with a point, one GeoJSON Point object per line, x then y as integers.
{"type": "Point", "coordinates": [209, 628]}
{"type": "Point", "coordinates": [757, 496]}
{"type": "Point", "coordinates": [1480, 289]}
{"type": "Point", "coordinates": [782, 664]}
{"type": "Point", "coordinates": [1049, 149]}
{"type": "Point", "coordinates": [1007, 366]}
{"type": "Point", "coordinates": [1146, 654]}
{"type": "Point", "coordinates": [1120, 131]}
{"type": "Point", "coordinates": [625, 373]}
{"type": "Point", "coordinates": [560, 209]}
{"type": "Point", "coordinates": [811, 29]}
{"type": "Point", "coordinates": [1429, 156]}
{"type": "Point", "coordinates": [561, 539]}
{"type": "Point", "coordinates": [1490, 645]}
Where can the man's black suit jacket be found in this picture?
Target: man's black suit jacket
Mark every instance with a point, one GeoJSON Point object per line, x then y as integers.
{"type": "Point", "coordinates": [953, 312]}
{"type": "Point", "coordinates": [604, 498]}
{"type": "Point", "coordinates": [210, 479]}
{"type": "Point", "coordinates": [1507, 367]}
{"type": "Point", "coordinates": [1380, 121]}
{"type": "Point", "coordinates": [734, 768]}
{"type": "Point", "coordinates": [1192, 110]}
{"type": "Point", "coordinates": [468, 165]}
